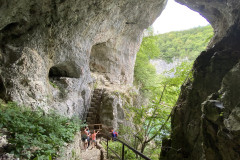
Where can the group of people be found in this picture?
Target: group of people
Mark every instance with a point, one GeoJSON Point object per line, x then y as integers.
{"type": "Point", "coordinates": [89, 138]}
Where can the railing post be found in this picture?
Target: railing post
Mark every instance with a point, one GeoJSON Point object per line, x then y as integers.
{"type": "Point", "coordinates": [107, 147]}
{"type": "Point", "coordinates": [122, 151]}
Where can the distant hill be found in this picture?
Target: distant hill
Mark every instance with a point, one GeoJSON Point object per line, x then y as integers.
{"type": "Point", "coordinates": [180, 44]}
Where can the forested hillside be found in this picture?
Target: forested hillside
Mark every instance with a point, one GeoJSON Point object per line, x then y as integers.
{"type": "Point", "coordinates": [180, 44]}
{"type": "Point", "coordinates": [188, 43]}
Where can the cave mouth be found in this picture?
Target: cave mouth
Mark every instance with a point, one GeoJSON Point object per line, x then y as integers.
{"type": "Point", "coordinates": [178, 17]}
{"type": "Point", "coordinates": [64, 70]}
{"type": "Point", "coordinates": [2, 89]}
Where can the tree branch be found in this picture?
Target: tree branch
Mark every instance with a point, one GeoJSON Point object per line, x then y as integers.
{"type": "Point", "coordinates": [159, 129]}
{"type": "Point", "coordinates": [155, 109]}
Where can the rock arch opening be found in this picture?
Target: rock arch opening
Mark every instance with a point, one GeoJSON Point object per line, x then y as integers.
{"type": "Point", "coordinates": [101, 63]}
{"type": "Point", "coordinates": [98, 58]}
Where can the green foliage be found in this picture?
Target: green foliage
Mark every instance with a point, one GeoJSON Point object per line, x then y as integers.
{"type": "Point", "coordinates": [182, 44]}
{"type": "Point", "coordinates": [144, 72]}
{"type": "Point", "coordinates": [173, 84]}
{"type": "Point", "coordinates": [35, 134]}
{"type": "Point", "coordinates": [152, 120]}
{"type": "Point", "coordinates": [53, 84]}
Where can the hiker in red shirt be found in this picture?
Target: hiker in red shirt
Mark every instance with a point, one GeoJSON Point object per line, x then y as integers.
{"type": "Point", "coordinates": [94, 135]}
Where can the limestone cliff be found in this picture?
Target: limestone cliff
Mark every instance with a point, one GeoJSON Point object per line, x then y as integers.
{"type": "Point", "coordinates": [205, 121]}
{"type": "Point", "coordinates": [48, 47]}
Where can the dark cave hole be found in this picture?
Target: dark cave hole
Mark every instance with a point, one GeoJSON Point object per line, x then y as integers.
{"type": "Point", "coordinates": [10, 26]}
{"type": "Point", "coordinates": [58, 72]}
{"type": "Point", "coordinates": [2, 89]}
{"type": "Point", "coordinates": [65, 70]}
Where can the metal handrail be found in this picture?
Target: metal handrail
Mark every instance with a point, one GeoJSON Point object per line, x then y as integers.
{"type": "Point", "coordinates": [113, 151]}
{"type": "Point", "coordinates": [125, 144]}
{"type": "Point", "coordinates": [135, 151]}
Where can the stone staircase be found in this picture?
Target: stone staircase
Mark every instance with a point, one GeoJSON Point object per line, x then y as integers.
{"type": "Point", "coordinates": [93, 112]}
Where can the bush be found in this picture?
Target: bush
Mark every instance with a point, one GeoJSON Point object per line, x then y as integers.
{"type": "Point", "coordinates": [35, 134]}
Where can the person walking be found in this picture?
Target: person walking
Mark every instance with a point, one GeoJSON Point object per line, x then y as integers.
{"type": "Point", "coordinates": [94, 135]}
{"type": "Point", "coordinates": [88, 137]}
{"type": "Point", "coordinates": [85, 138]}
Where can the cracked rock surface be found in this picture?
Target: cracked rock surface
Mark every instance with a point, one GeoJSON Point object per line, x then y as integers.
{"type": "Point", "coordinates": [48, 47]}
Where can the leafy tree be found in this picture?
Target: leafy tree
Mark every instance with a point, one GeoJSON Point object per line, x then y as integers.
{"type": "Point", "coordinates": [152, 120]}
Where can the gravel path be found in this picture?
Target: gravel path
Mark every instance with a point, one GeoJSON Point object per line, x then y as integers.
{"type": "Point", "coordinates": [91, 154]}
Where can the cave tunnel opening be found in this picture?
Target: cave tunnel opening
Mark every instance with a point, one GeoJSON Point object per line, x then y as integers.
{"type": "Point", "coordinates": [58, 72]}
{"type": "Point", "coordinates": [65, 70]}
{"type": "Point", "coordinates": [2, 89]}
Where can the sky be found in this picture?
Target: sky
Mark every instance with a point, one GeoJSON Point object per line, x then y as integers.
{"type": "Point", "coordinates": [177, 17]}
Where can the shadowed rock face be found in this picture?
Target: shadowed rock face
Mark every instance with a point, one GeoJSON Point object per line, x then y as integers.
{"type": "Point", "coordinates": [46, 47]}
{"type": "Point", "coordinates": [205, 121]}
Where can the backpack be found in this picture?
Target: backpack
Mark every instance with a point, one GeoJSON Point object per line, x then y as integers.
{"type": "Point", "coordinates": [115, 134]}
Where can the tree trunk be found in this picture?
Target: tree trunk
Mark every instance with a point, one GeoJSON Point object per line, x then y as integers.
{"type": "Point", "coordinates": [143, 147]}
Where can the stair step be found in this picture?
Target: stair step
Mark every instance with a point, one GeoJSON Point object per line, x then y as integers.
{"type": "Point", "coordinates": [91, 122]}
{"type": "Point", "coordinates": [92, 109]}
{"type": "Point", "coordinates": [97, 90]}
{"type": "Point", "coordinates": [92, 103]}
{"type": "Point", "coordinates": [97, 96]}
{"type": "Point", "coordinates": [89, 119]}
{"type": "Point", "coordinates": [90, 114]}
{"type": "Point", "coordinates": [94, 98]}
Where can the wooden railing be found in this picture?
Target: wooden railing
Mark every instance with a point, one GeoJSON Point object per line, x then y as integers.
{"type": "Point", "coordinates": [123, 146]}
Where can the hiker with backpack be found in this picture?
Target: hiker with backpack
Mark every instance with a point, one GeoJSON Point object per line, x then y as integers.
{"type": "Point", "coordinates": [114, 135]}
